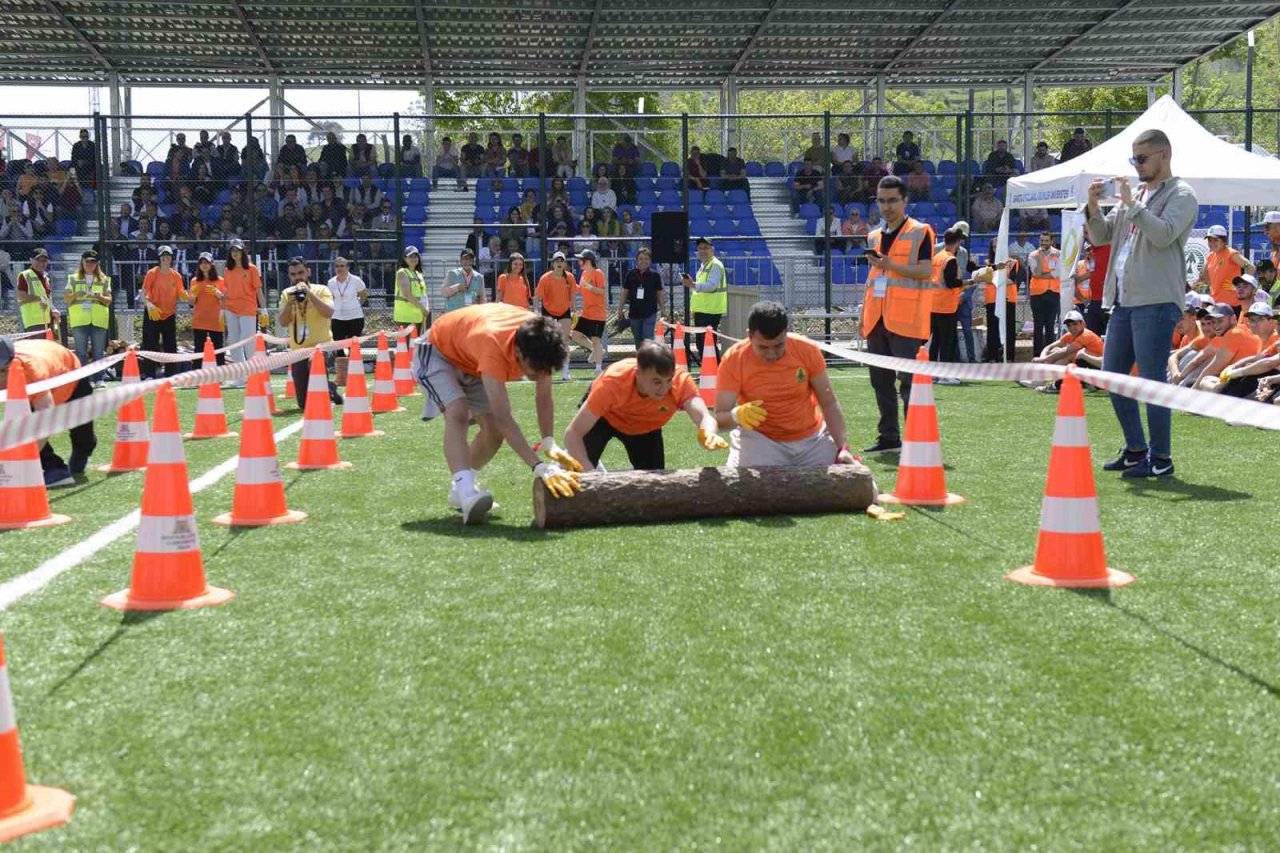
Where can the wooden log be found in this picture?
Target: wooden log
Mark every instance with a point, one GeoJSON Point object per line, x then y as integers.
{"type": "Point", "coordinates": [644, 497]}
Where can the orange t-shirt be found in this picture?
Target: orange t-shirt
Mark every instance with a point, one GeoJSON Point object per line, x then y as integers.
{"type": "Point", "coordinates": [1239, 343]}
{"type": "Point", "coordinates": [593, 304]}
{"type": "Point", "coordinates": [1272, 349]}
{"type": "Point", "coordinates": [1087, 341]}
{"type": "Point", "coordinates": [1269, 341]}
{"type": "Point", "coordinates": [1222, 270]}
{"type": "Point", "coordinates": [513, 290]}
{"type": "Point", "coordinates": [784, 386]}
{"type": "Point", "coordinates": [206, 310]}
{"type": "Point", "coordinates": [614, 397]}
{"type": "Point", "coordinates": [556, 293]}
{"type": "Point", "coordinates": [163, 290]}
{"type": "Point", "coordinates": [242, 286]}
{"type": "Point", "coordinates": [41, 360]}
{"type": "Point", "coordinates": [480, 340]}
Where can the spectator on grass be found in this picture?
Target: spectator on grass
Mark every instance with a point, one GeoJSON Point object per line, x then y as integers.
{"type": "Point", "coordinates": [733, 173]}
{"type": "Point", "coordinates": [604, 198]}
{"type": "Point", "coordinates": [986, 210]}
{"type": "Point", "coordinates": [447, 165]}
{"type": "Point", "coordinates": [495, 157]}
{"type": "Point", "coordinates": [919, 182]}
{"type": "Point", "coordinates": [1222, 266]}
{"type": "Point", "coordinates": [1246, 293]}
{"type": "Point", "coordinates": [84, 159]}
{"type": "Point", "coordinates": [562, 156]}
{"type": "Point", "coordinates": [1042, 159]}
{"type": "Point", "coordinates": [309, 322]}
{"type": "Point", "coordinates": [1000, 164]}
{"type": "Point", "coordinates": [695, 172]}
{"type": "Point", "coordinates": [463, 285]}
{"type": "Point", "coordinates": [1231, 343]}
{"type": "Point", "coordinates": [1076, 145]}
{"type": "Point", "coordinates": [626, 153]}
{"type": "Point", "coordinates": [1078, 346]}
{"type": "Point", "coordinates": [333, 157]}
{"type": "Point", "coordinates": [350, 294]}
{"type": "Point", "coordinates": [1243, 378]}
{"type": "Point", "coordinates": [364, 157]}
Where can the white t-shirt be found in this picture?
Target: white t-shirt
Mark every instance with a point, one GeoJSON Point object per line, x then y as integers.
{"type": "Point", "coordinates": [842, 154]}
{"type": "Point", "coordinates": [346, 303]}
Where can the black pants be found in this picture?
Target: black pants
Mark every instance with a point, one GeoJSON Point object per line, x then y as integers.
{"type": "Point", "coordinates": [1245, 386]}
{"type": "Point", "coordinates": [995, 350]}
{"type": "Point", "coordinates": [344, 330]}
{"type": "Point", "coordinates": [83, 438]}
{"type": "Point", "coordinates": [1044, 320]}
{"type": "Point", "coordinates": [158, 336]}
{"type": "Point", "coordinates": [1095, 319]}
{"type": "Point", "coordinates": [693, 343]}
{"type": "Point", "coordinates": [302, 378]}
{"type": "Point", "coordinates": [943, 342]}
{"type": "Point", "coordinates": [198, 337]}
{"type": "Point", "coordinates": [645, 451]}
{"type": "Point", "coordinates": [881, 341]}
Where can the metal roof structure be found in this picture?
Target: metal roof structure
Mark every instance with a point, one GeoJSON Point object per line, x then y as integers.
{"type": "Point", "coordinates": [546, 44]}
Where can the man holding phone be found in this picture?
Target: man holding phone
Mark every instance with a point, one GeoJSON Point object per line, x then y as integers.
{"type": "Point", "coordinates": [708, 296]}
{"type": "Point", "coordinates": [1144, 288]}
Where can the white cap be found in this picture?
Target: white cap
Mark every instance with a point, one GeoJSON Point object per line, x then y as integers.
{"type": "Point", "coordinates": [1260, 309]}
{"type": "Point", "coordinates": [1246, 279]}
{"type": "Point", "coordinates": [961, 225]}
{"type": "Point", "coordinates": [1191, 301]}
{"type": "Point", "coordinates": [1272, 217]}
{"type": "Point", "coordinates": [1219, 231]}
{"type": "Point", "coordinates": [1073, 317]}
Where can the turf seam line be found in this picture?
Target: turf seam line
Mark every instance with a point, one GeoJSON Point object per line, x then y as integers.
{"type": "Point", "coordinates": [15, 590]}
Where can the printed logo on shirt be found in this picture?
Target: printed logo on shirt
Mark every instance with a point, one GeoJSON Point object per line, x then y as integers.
{"type": "Point", "coordinates": [801, 375]}
{"type": "Point", "coordinates": [664, 408]}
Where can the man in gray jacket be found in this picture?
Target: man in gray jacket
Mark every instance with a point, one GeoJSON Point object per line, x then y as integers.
{"type": "Point", "coordinates": [1146, 280]}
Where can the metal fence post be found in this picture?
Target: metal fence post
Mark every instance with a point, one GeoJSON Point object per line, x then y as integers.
{"type": "Point", "coordinates": [967, 173]}
{"type": "Point", "coordinates": [249, 193]}
{"type": "Point", "coordinates": [1108, 124]}
{"type": "Point", "coordinates": [826, 220]}
{"type": "Point", "coordinates": [1248, 135]}
{"type": "Point", "coordinates": [399, 205]}
{"type": "Point", "coordinates": [684, 181]}
{"type": "Point", "coordinates": [102, 201]}
{"type": "Point", "coordinates": [542, 190]}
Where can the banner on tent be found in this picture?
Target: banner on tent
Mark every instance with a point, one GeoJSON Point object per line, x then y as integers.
{"type": "Point", "coordinates": [1072, 250]}
{"type": "Point", "coordinates": [1196, 252]}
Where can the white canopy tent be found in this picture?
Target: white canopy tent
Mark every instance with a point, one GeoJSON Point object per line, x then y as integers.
{"type": "Point", "coordinates": [1221, 174]}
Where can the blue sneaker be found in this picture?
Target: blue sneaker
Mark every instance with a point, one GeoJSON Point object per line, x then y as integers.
{"type": "Point", "coordinates": [1126, 461]}
{"type": "Point", "coordinates": [57, 478]}
{"type": "Point", "coordinates": [1150, 467]}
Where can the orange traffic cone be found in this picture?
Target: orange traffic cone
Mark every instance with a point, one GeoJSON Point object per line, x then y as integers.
{"type": "Point", "coordinates": [1069, 551]}
{"type": "Point", "coordinates": [384, 386]}
{"type": "Point", "coordinates": [710, 368]}
{"type": "Point", "coordinates": [211, 417]}
{"type": "Point", "coordinates": [677, 348]}
{"type": "Point", "coordinates": [660, 330]}
{"type": "Point", "coordinates": [259, 495]}
{"type": "Point", "coordinates": [357, 420]}
{"type": "Point", "coordinates": [921, 480]}
{"type": "Point", "coordinates": [403, 374]}
{"type": "Point", "coordinates": [260, 348]}
{"type": "Point", "coordinates": [319, 448]}
{"type": "Point", "coordinates": [24, 501]}
{"type": "Point", "coordinates": [132, 435]}
{"type": "Point", "coordinates": [168, 571]}
{"type": "Point", "coordinates": [23, 808]}
{"type": "Point", "coordinates": [48, 334]}
{"type": "Point", "coordinates": [290, 392]}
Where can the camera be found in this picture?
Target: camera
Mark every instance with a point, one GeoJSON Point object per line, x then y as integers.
{"type": "Point", "coordinates": [300, 293]}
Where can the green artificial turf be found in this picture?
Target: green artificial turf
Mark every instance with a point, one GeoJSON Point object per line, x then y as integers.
{"type": "Point", "coordinates": [387, 679]}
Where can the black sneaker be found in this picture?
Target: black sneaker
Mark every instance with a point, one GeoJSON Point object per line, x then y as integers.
{"type": "Point", "coordinates": [1126, 460]}
{"type": "Point", "coordinates": [1150, 467]}
{"type": "Point", "coordinates": [336, 398]}
{"type": "Point", "coordinates": [884, 445]}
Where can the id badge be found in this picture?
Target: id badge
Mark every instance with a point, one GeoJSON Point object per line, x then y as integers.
{"type": "Point", "coordinates": [879, 287]}
{"type": "Point", "coordinates": [468, 297]}
{"type": "Point", "coordinates": [639, 293]}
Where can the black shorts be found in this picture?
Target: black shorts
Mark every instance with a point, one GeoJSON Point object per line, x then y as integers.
{"type": "Point", "coordinates": [546, 313]}
{"type": "Point", "coordinates": [645, 452]}
{"type": "Point", "coordinates": [590, 328]}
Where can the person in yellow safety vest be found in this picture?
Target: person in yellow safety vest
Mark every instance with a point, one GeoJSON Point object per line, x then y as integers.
{"type": "Point", "coordinates": [35, 295]}
{"type": "Point", "coordinates": [89, 310]}
{"type": "Point", "coordinates": [1222, 266]}
{"type": "Point", "coordinates": [898, 304]}
{"type": "Point", "coordinates": [411, 306]}
{"type": "Point", "coordinates": [708, 297]}
{"type": "Point", "coordinates": [1043, 265]}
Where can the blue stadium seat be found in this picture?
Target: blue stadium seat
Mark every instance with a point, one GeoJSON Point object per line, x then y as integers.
{"type": "Point", "coordinates": [646, 198]}
{"type": "Point", "coordinates": [754, 169]}
{"type": "Point", "coordinates": [670, 170]}
{"type": "Point", "coordinates": [725, 228]}
{"type": "Point", "coordinates": [666, 182]}
{"type": "Point", "coordinates": [720, 211]}
{"type": "Point", "coordinates": [648, 170]}
{"type": "Point", "coordinates": [155, 169]}
{"type": "Point", "coordinates": [695, 197]}
{"type": "Point", "coordinates": [794, 166]}
{"type": "Point", "coordinates": [715, 197]}
{"type": "Point", "coordinates": [775, 169]}
{"type": "Point", "coordinates": [645, 184]}
{"type": "Point", "coordinates": [386, 170]}
{"type": "Point", "coordinates": [922, 209]}
{"type": "Point", "coordinates": [65, 228]}
{"type": "Point", "coordinates": [748, 227]}
{"type": "Point", "coordinates": [948, 167]}
{"type": "Point", "coordinates": [670, 198]}
{"type": "Point", "coordinates": [577, 182]}
{"type": "Point", "coordinates": [739, 197]}
{"type": "Point", "coordinates": [809, 211]}
{"type": "Point", "coordinates": [929, 167]}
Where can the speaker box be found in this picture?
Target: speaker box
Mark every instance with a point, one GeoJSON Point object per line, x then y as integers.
{"type": "Point", "coordinates": [670, 232]}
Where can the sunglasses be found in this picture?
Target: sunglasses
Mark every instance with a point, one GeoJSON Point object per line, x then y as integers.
{"type": "Point", "coordinates": [1141, 159]}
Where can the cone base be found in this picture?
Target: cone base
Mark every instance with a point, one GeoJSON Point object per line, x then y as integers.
{"type": "Point", "coordinates": [111, 469]}
{"type": "Point", "coordinates": [377, 433]}
{"type": "Point", "coordinates": [191, 436]}
{"type": "Point", "coordinates": [211, 597]}
{"type": "Point", "coordinates": [1027, 575]}
{"type": "Point", "coordinates": [53, 520]}
{"type": "Point", "coordinates": [45, 809]}
{"type": "Point", "coordinates": [337, 466]}
{"type": "Point", "coordinates": [949, 500]}
{"type": "Point", "coordinates": [291, 516]}
{"type": "Point", "coordinates": [389, 411]}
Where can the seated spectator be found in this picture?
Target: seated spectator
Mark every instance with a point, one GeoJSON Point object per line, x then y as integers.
{"type": "Point", "coordinates": [69, 199]}
{"type": "Point", "coordinates": [1262, 323]}
{"type": "Point", "coordinates": [626, 153]}
{"type": "Point", "coordinates": [84, 159]}
{"type": "Point", "coordinates": [447, 165]}
{"type": "Point", "coordinates": [1246, 292]}
{"type": "Point", "coordinates": [848, 183]}
{"type": "Point", "coordinates": [806, 186]}
{"type": "Point", "coordinates": [301, 246]}
{"type": "Point", "coordinates": [330, 202]}
{"type": "Point", "coordinates": [624, 186]}
{"type": "Point", "coordinates": [633, 228]}
{"type": "Point", "coordinates": [126, 222]}
{"type": "Point", "coordinates": [1076, 145]}
{"type": "Point", "coordinates": [733, 173]}
{"type": "Point", "coordinates": [591, 216]}
{"type": "Point", "coordinates": [333, 157]}
{"type": "Point", "coordinates": [314, 217]}
{"type": "Point", "coordinates": [906, 151]}
{"type": "Point", "coordinates": [145, 230]}
{"type": "Point", "coordinates": [203, 146]}
{"type": "Point", "coordinates": [264, 204]}
{"type": "Point", "coordinates": [292, 155]}
{"type": "Point", "coordinates": [918, 182]}
{"type": "Point", "coordinates": [17, 231]}
{"type": "Point", "coordinates": [364, 157]}
{"type": "Point", "coordinates": [604, 198]}
{"type": "Point", "coordinates": [410, 158]}
{"type": "Point", "coordinates": [253, 162]}
{"type": "Point", "coordinates": [226, 157]}
{"type": "Point", "coordinates": [830, 226]}
{"type": "Point", "coordinates": [562, 156]}
{"type": "Point", "coordinates": [489, 261]}
{"type": "Point", "coordinates": [695, 172]}
{"type": "Point", "coordinates": [1229, 344]}
{"type": "Point", "coordinates": [871, 175]}
{"type": "Point", "coordinates": [145, 193]}
{"type": "Point", "coordinates": [517, 158]}
{"type": "Point", "coordinates": [1042, 159]}
{"type": "Point", "coordinates": [986, 210]}
{"type": "Point", "coordinates": [529, 209]}
{"type": "Point", "coordinates": [495, 157]}
{"type": "Point", "coordinates": [1254, 376]}
{"type": "Point", "coordinates": [366, 194]}
{"type": "Point", "coordinates": [478, 236]}
{"type": "Point", "coordinates": [180, 154]}
{"type": "Point", "coordinates": [242, 209]}
{"type": "Point", "coordinates": [816, 153]}
{"type": "Point", "coordinates": [515, 226]}
{"type": "Point", "coordinates": [561, 220]}
{"type": "Point", "coordinates": [854, 229]}
{"type": "Point", "coordinates": [1000, 165]}
{"type": "Point", "coordinates": [40, 212]}
{"type": "Point", "coordinates": [558, 194]}
{"type": "Point", "coordinates": [204, 189]}
{"type": "Point", "coordinates": [609, 226]}
{"type": "Point", "coordinates": [585, 241]}
{"type": "Point", "coordinates": [472, 156]}
{"type": "Point", "coordinates": [538, 160]}
{"type": "Point", "coordinates": [1265, 272]}
{"type": "Point", "coordinates": [843, 152]}
{"type": "Point", "coordinates": [384, 220]}
{"type": "Point", "coordinates": [1078, 346]}
{"type": "Point", "coordinates": [1033, 219]}
{"type": "Point", "coordinates": [226, 232]}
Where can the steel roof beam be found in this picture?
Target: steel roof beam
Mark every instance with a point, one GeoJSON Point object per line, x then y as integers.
{"type": "Point", "coordinates": [751, 42]}
{"type": "Point", "coordinates": [253, 37]}
{"type": "Point", "coordinates": [420, 16]}
{"type": "Point", "coordinates": [77, 34]}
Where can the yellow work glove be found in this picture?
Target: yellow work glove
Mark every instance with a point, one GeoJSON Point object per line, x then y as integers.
{"type": "Point", "coordinates": [264, 321]}
{"type": "Point", "coordinates": [154, 314]}
{"type": "Point", "coordinates": [556, 453]}
{"type": "Point", "coordinates": [559, 482]}
{"type": "Point", "coordinates": [1226, 375]}
{"type": "Point", "coordinates": [749, 415]}
{"type": "Point", "coordinates": [879, 513]}
{"type": "Point", "coordinates": [711, 440]}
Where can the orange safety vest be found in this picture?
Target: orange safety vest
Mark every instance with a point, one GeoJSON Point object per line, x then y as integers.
{"type": "Point", "coordinates": [907, 303]}
{"type": "Point", "coordinates": [1043, 276]}
{"type": "Point", "coordinates": [946, 300]}
{"type": "Point", "coordinates": [1010, 286]}
{"type": "Point", "coordinates": [1222, 270]}
{"type": "Point", "coordinates": [1083, 291]}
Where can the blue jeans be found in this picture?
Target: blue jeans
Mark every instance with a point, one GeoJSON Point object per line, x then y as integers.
{"type": "Point", "coordinates": [967, 350]}
{"type": "Point", "coordinates": [642, 329]}
{"type": "Point", "coordinates": [1145, 335]}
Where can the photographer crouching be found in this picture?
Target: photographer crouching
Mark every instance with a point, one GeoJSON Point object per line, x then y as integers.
{"type": "Point", "coordinates": [305, 311]}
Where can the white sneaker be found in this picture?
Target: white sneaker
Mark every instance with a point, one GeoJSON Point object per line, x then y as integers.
{"type": "Point", "coordinates": [565, 376]}
{"type": "Point", "coordinates": [946, 380]}
{"type": "Point", "coordinates": [476, 506]}
{"type": "Point", "coordinates": [455, 501]}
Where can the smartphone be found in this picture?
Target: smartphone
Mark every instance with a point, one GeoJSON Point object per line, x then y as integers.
{"type": "Point", "coordinates": [1109, 188]}
{"type": "Point", "coordinates": [873, 253]}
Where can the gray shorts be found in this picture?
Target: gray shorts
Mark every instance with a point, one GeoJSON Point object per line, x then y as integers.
{"type": "Point", "coordinates": [749, 449]}
{"type": "Point", "coordinates": [444, 383]}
